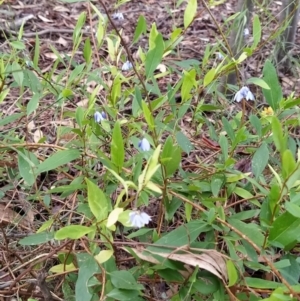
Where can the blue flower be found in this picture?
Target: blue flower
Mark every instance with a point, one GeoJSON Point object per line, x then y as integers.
{"type": "Point", "coordinates": [99, 116]}
{"type": "Point", "coordinates": [243, 93]}
{"type": "Point", "coordinates": [144, 145]}
{"type": "Point", "coordinates": [139, 219]}
{"type": "Point", "coordinates": [220, 56]}
{"type": "Point", "coordinates": [246, 32]}
{"type": "Point", "coordinates": [118, 16]}
{"type": "Point", "coordinates": [126, 66]}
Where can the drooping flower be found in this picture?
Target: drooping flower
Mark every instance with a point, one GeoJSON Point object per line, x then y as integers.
{"type": "Point", "coordinates": [99, 116]}
{"type": "Point", "coordinates": [243, 93]}
{"type": "Point", "coordinates": [144, 145]}
{"type": "Point", "coordinates": [246, 32]}
{"type": "Point", "coordinates": [118, 16]}
{"type": "Point", "coordinates": [126, 66]}
{"type": "Point", "coordinates": [139, 219]}
{"type": "Point", "coordinates": [220, 56]}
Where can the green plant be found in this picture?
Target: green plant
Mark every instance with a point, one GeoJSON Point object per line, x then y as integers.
{"type": "Point", "coordinates": [213, 193]}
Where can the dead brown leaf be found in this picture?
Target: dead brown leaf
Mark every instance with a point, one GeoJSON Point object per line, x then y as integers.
{"type": "Point", "coordinates": [211, 261]}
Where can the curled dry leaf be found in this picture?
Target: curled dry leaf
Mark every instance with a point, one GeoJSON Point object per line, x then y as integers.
{"type": "Point", "coordinates": [37, 136]}
{"type": "Point", "coordinates": [44, 19]}
{"type": "Point", "coordinates": [61, 8]}
{"type": "Point", "coordinates": [211, 261]}
{"type": "Point", "coordinates": [62, 42]}
{"type": "Point", "coordinates": [30, 126]}
{"type": "Point", "coordinates": [83, 103]}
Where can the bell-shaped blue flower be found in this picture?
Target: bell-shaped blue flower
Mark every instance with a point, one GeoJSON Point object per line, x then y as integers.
{"type": "Point", "coordinates": [98, 117]}
{"type": "Point", "coordinates": [118, 16]}
{"type": "Point", "coordinates": [126, 66]}
{"type": "Point", "coordinates": [138, 219]}
{"type": "Point", "coordinates": [243, 93]}
{"type": "Point", "coordinates": [144, 145]}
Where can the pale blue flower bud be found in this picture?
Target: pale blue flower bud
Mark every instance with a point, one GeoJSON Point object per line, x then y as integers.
{"type": "Point", "coordinates": [98, 117]}
{"type": "Point", "coordinates": [118, 16]}
{"type": "Point", "coordinates": [126, 66]}
{"type": "Point", "coordinates": [144, 145]}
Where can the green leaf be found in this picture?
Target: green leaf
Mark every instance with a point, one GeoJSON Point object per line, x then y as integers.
{"type": "Point", "coordinates": [189, 81]}
{"type": "Point", "coordinates": [88, 266]}
{"type": "Point", "coordinates": [32, 82]}
{"type": "Point", "coordinates": [58, 159]}
{"type": "Point", "coordinates": [174, 163]}
{"type": "Point", "coordinates": [33, 104]}
{"type": "Point", "coordinates": [232, 273]}
{"type": "Point", "coordinates": [141, 28]}
{"type": "Point", "coordinates": [224, 146]}
{"type": "Point", "coordinates": [207, 285]}
{"type": "Point", "coordinates": [124, 280]}
{"type": "Point", "coordinates": [11, 118]}
{"type": "Point", "coordinates": [97, 201]}
{"type": "Point", "coordinates": [209, 77]}
{"type": "Point", "coordinates": [189, 13]}
{"type": "Point", "coordinates": [170, 157]}
{"type": "Point", "coordinates": [104, 255]}
{"type": "Point", "coordinates": [123, 295]}
{"type": "Point", "coordinates": [27, 163]}
{"type": "Point", "coordinates": [293, 178]}
{"type": "Point", "coordinates": [113, 216]}
{"type": "Point", "coordinates": [36, 51]}
{"type": "Point", "coordinates": [273, 95]}
{"type": "Point", "coordinates": [261, 283]}
{"type": "Point", "coordinates": [37, 239]}
{"type": "Point", "coordinates": [154, 56]}
{"type": "Point", "coordinates": [256, 31]}
{"type": "Point", "coordinates": [288, 164]}
{"type": "Point", "coordinates": [260, 160]}
{"type": "Point", "coordinates": [183, 235]}
{"type": "Point", "coordinates": [278, 137]}
{"type": "Point", "coordinates": [152, 36]}
{"type": "Point", "coordinates": [18, 45]}
{"type": "Point", "coordinates": [17, 73]}
{"type": "Point", "coordinates": [87, 50]}
{"type": "Point", "coordinates": [250, 230]}
{"type": "Point", "coordinates": [152, 165]}
{"type": "Point", "coordinates": [188, 211]}
{"type": "Point", "coordinates": [72, 232]}
{"type": "Point", "coordinates": [117, 147]}
{"type": "Point", "coordinates": [255, 121]}
{"type": "Point", "coordinates": [217, 183]}
{"type": "Point", "coordinates": [258, 82]}
{"type": "Point", "coordinates": [184, 142]}
{"type": "Point", "coordinates": [148, 116]}
{"type": "Point", "coordinates": [293, 209]}
{"type": "Point", "coordinates": [228, 128]}
{"type": "Point", "coordinates": [285, 230]}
